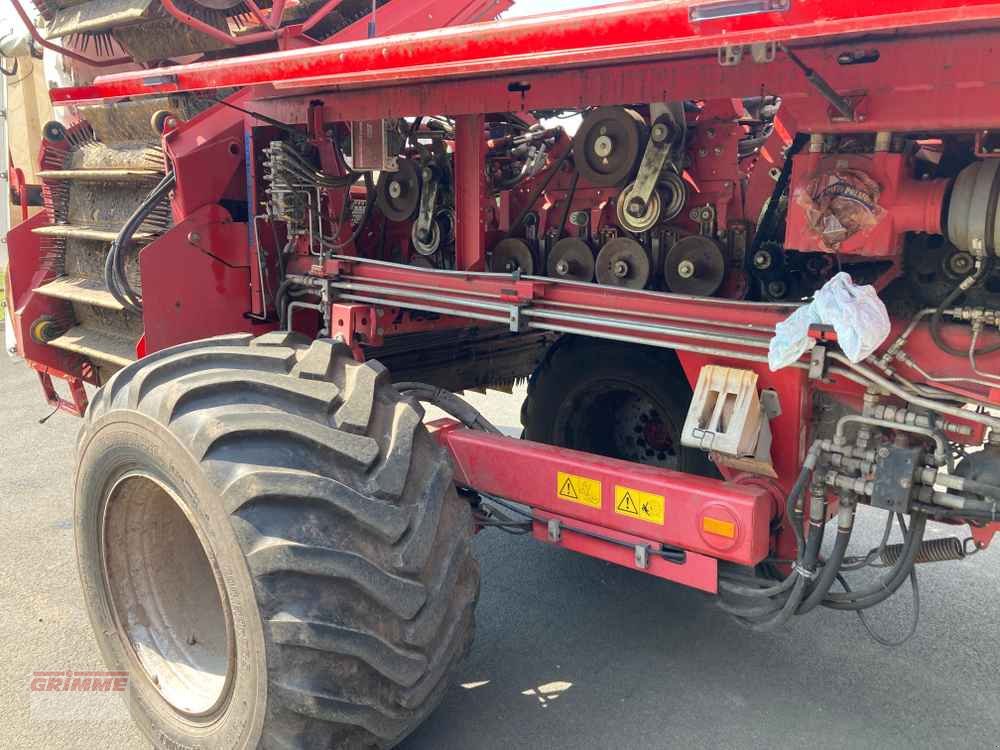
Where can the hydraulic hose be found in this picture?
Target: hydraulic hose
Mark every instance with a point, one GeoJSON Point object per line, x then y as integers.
{"type": "Point", "coordinates": [984, 270]}
{"type": "Point", "coordinates": [114, 265]}
{"type": "Point", "coordinates": [891, 581]}
{"type": "Point", "coordinates": [831, 568]}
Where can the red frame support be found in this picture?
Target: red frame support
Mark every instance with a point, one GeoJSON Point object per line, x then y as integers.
{"type": "Point", "coordinates": [633, 503]}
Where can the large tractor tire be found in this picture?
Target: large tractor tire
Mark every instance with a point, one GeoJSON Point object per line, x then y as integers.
{"type": "Point", "coordinates": [271, 545]}
{"type": "Point", "coordinates": [615, 399]}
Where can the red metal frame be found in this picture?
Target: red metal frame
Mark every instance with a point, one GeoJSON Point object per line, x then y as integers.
{"type": "Point", "coordinates": [583, 39]}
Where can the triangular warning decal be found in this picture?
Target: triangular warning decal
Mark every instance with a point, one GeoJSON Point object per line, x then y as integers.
{"type": "Point", "coordinates": [626, 505]}
{"type": "Point", "coordinates": [567, 490]}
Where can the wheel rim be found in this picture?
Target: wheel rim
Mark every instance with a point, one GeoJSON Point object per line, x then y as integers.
{"type": "Point", "coordinates": [166, 596]}
{"type": "Point", "coordinates": [618, 419]}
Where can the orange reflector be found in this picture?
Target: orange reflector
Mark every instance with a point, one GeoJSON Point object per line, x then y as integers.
{"type": "Point", "coordinates": [721, 528]}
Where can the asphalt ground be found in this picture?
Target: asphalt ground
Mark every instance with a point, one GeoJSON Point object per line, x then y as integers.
{"type": "Point", "coordinates": [570, 652]}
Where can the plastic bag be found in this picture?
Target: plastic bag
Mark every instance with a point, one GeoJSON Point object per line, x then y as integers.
{"type": "Point", "coordinates": [858, 317]}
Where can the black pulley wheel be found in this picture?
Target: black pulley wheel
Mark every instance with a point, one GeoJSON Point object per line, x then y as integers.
{"type": "Point", "coordinates": [512, 256]}
{"type": "Point", "coordinates": [608, 146]}
{"type": "Point", "coordinates": [571, 259]}
{"type": "Point", "coordinates": [398, 193]}
{"type": "Point", "coordinates": [623, 262]}
{"type": "Point", "coordinates": [271, 545]}
{"type": "Point", "coordinates": [619, 400]}
{"type": "Point", "coordinates": [695, 265]}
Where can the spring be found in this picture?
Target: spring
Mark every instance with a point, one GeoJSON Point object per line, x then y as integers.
{"type": "Point", "coordinates": [932, 550]}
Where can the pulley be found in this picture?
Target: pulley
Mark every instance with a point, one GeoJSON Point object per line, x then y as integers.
{"type": "Point", "coordinates": [571, 259]}
{"type": "Point", "coordinates": [511, 256]}
{"type": "Point", "coordinates": [398, 193]}
{"type": "Point", "coordinates": [695, 265]}
{"type": "Point", "coordinates": [441, 232]}
{"type": "Point", "coordinates": [673, 194]}
{"type": "Point", "coordinates": [641, 219]}
{"type": "Point", "coordinates": [623, 262]}
{"type": "Point", "coordinates": [608, 145]}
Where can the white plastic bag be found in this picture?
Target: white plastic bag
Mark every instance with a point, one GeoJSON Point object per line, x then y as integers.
{"type": "Point", "coordinates": [858, 317]}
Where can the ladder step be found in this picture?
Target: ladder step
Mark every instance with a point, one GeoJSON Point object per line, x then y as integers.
{"type": "Point", "coordinates": [101, 175]}
{"type": "Point", "coordinates": [71, 231]}
{"type": "Point", "coordinates": [77, 289]}
{"type": "Point", "coordinates": [96, 345]}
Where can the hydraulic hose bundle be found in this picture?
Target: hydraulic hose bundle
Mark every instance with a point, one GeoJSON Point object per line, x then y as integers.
{"type": "Point", "coordinates": [766, 604]}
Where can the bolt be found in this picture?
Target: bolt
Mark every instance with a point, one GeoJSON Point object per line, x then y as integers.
{"type": "Point", "coordinates": [562, 267]}
{"type": "Point", "coordinates": [710, 132]}
{"type": "Point", "coordinates": [905, 483]}
{"type": "Point", "coordinates": [636, 207]}
{"type": "Point", "coordinates": [620, 269]}
{"type": "Point", "coordinates": [395, 189]}
{"type": "Point", "coordinates": [685, 269]}
{"type": "Point", "coordinates": [762, 260]}
{"type": "Point", "coordinates": [883, 452]}
{"type": "Point", "coordinates": [960, 263]}
{"type": "Point", "coordinates": [659, 133]}
{"type": "Point", "coordinates": [717, 151]}
{"type": "Point", "coordinates": [604, 146]}
{"type": "Point", "coordinates": [424, 235]}
{"type": "Point", "coordinates": [194, 238]}
{"type": "Point", "coordinates": [702, 152]}
{"type": "Point", "coordinates": [777, 289]}
{"type": "Point", "coordinates": [579, 218]}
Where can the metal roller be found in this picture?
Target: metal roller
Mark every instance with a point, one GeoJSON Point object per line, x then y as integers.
{"type": "Point", "coordinates": [398, 193]}
{"type": "Point", "coordinates": [608, 145]}
{"type": "Point", "coordinates": [695, 265]}
{"type": "Point", "coordinates": [572, 259]}
{"type": "Point", "coordinates": [645, 221]}
{"type": "Point", "coordinates": [512, 255]}
{"type": "Point", "coordinates": [623, 262]}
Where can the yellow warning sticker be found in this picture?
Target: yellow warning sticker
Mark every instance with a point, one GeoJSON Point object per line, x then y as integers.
{"type": "Point", "coordinates": [578, 489]}
{"type": "Point", "coordinates": [644, 506]}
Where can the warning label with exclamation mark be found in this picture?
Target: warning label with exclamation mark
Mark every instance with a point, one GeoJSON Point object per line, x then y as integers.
{"type": "Point", "coordinates": [577, 489]}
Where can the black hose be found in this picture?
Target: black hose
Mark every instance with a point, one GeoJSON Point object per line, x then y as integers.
{"type": "Point", "coordinates": [369, 201]}
{"type": "Point", "coordinates": [114, 265]}
{"type": "Point", "coordinates": [448, 402]}
{"type": "Point", "coordinates": [795, 520]}
{"type": "Point", "coordinates": [891, 581]}
{"type": "Point", "coordinates": [831, 568]}
{"type": "Point", "coordinates": [984, 270]}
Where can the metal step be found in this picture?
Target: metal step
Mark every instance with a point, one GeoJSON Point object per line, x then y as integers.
{"type": "Point", "coordinates": [84, 291]}
{"type": "Point", "coordinates": [74, 231]}
{"type": "Point", "coordinates": [96, 345]}
{"type": "Point", "coordinates": [101, 175]}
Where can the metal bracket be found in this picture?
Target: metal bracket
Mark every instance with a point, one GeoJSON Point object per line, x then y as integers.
{"type": "Point", "coordinates": [734, 8]}
{"type": "Point", "coordinates": [817, 363]}
{"type": "Point", "coordinates": [730, 55]}
{"type": "Point", "coordinates": [641, 556]}
{"type": "Point", "coordinates": [428, 197]}
{"type": "Point", "coordinates": [555, 530]}
{"type": "Point", "coordinates": [763, 52]}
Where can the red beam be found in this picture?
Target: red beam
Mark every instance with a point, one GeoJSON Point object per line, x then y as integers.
{"type": "Point", "coordinates": [725, 520]}
{"type": "Point", "coordinates": [612, 34]}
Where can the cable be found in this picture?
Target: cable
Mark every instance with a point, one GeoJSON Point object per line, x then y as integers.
{"type": "Point", "coordinates": [913, 623]}
{"type": "Point", "coordinates": [448, 402]}
{"type": "Point", "coordinates": [114, 265]}
{"type": "Point", "coordinates": [983, 271]}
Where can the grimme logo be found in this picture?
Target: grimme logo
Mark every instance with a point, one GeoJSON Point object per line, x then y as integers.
{"type": "Point", "coordinates": [70, 681]}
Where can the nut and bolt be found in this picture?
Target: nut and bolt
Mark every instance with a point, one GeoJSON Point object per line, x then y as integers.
{"type": "Point", "coordinates": [620, 269]}
{"type": "Point", "coordinates": [762, 260]}
{"type": "Point", "coordinates": [603, 145]}
{"type": "Point", "coordinates": [960, 263]}
{"type": "Point", "coordinates": [685, 269]}
{"type": "Point", "coordinates": [395, 189]}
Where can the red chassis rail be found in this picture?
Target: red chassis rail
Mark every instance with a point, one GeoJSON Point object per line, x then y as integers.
{"type": "Point", "coordinates": [619, 34]}
{"type": "Point", "coordinates": [672, 525]}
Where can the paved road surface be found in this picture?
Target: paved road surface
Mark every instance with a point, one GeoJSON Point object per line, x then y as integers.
{"type": "Point", "coordinates": [571, 653]}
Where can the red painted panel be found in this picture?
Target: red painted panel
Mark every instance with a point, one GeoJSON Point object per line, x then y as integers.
{"type": "Point", "coordinates": [528, 473]}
